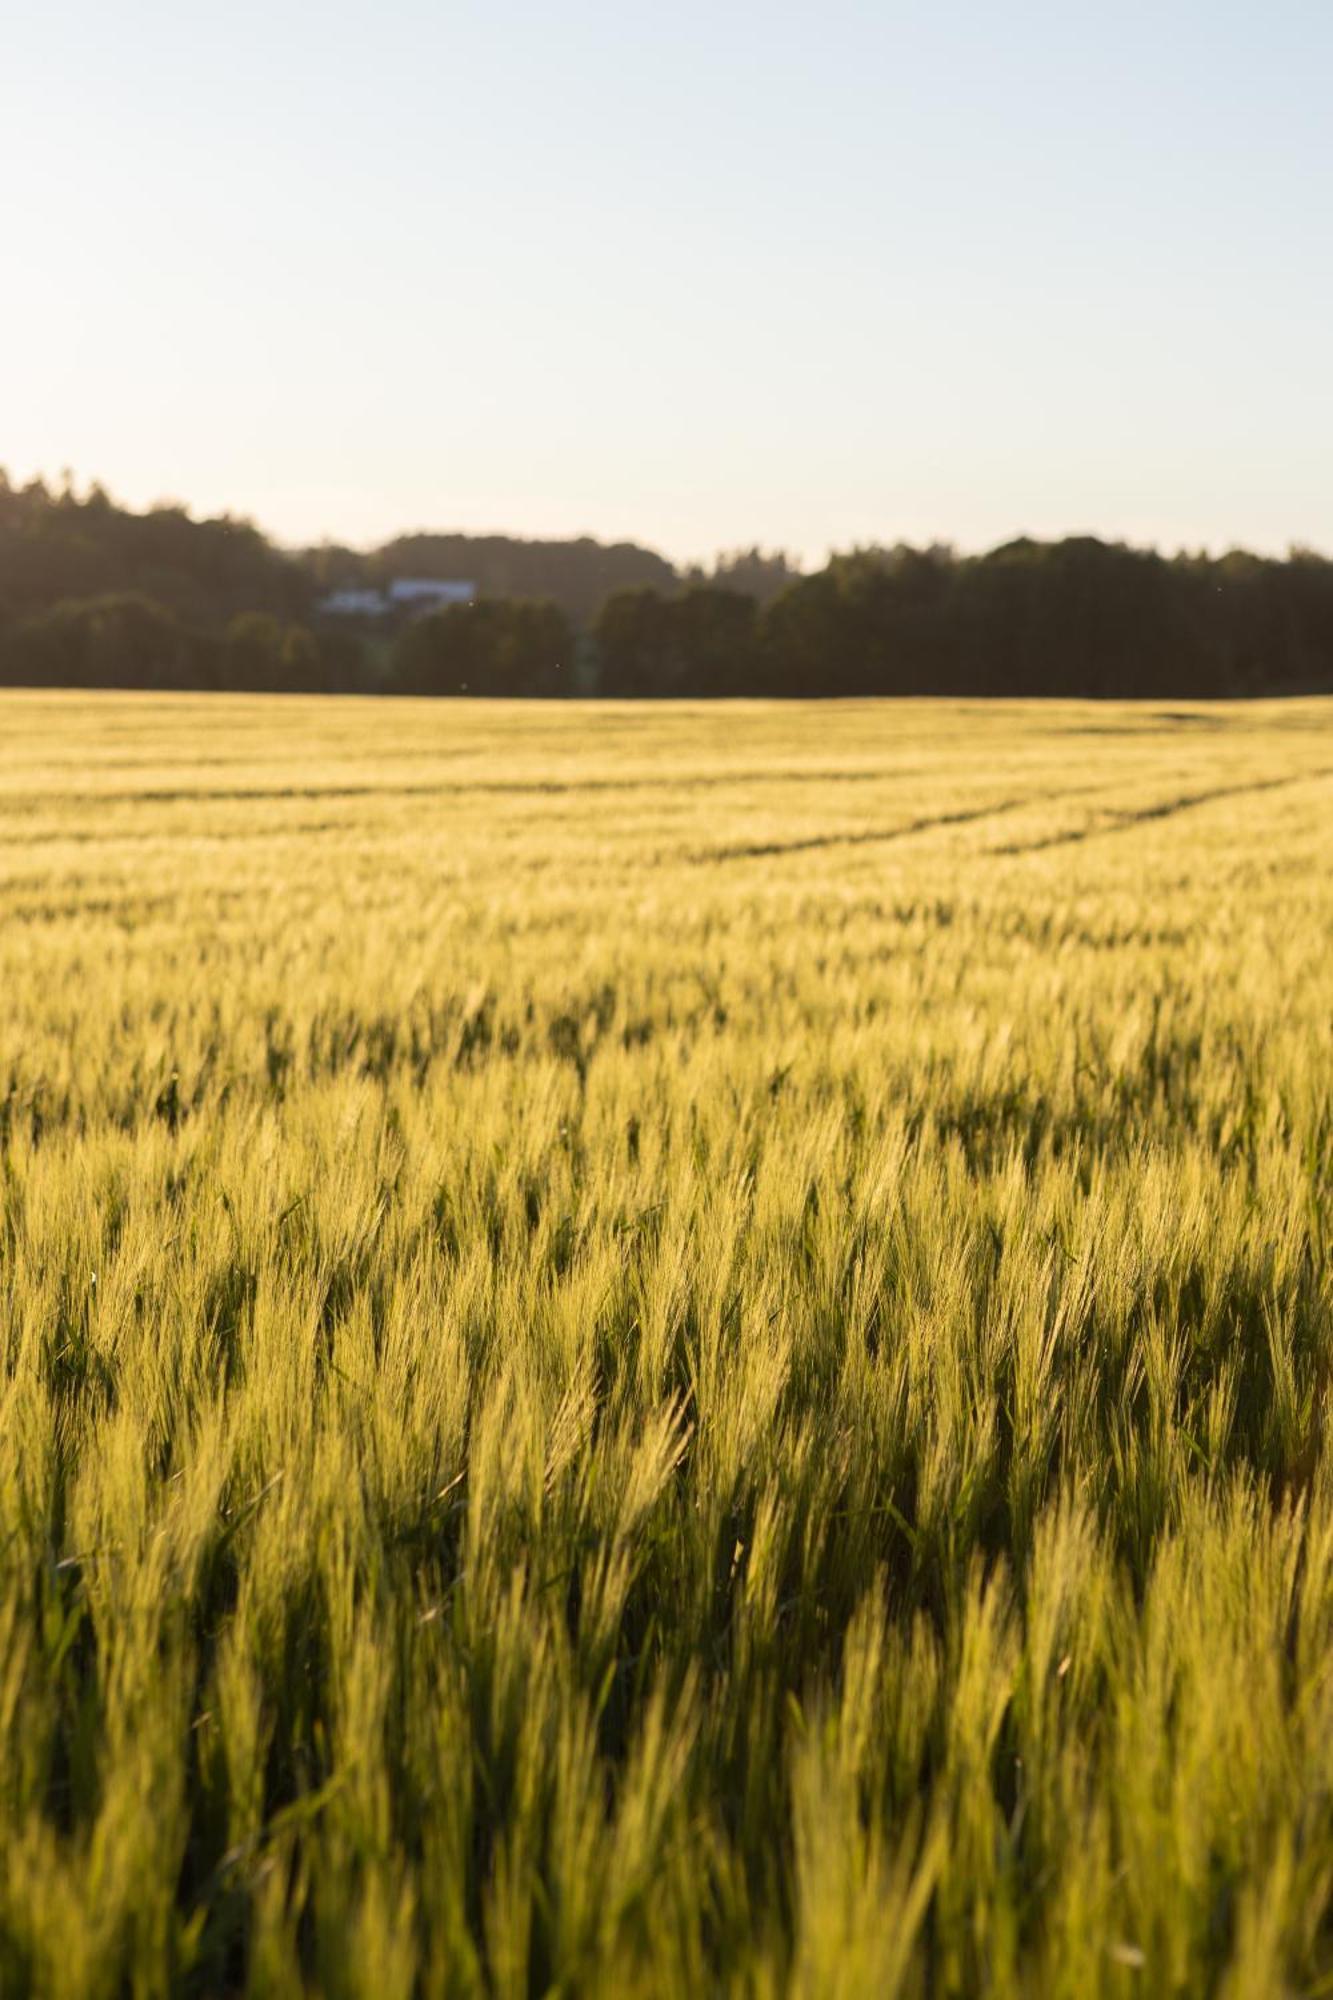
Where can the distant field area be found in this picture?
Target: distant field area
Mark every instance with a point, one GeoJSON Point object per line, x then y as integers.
{"type": "Point", "coordinates": [665, 1348]}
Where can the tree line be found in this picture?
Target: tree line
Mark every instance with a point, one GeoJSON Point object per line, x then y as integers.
{"type": "Point", "coordinates": [93, 595]}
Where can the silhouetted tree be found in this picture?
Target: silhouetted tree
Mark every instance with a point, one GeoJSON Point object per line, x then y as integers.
{"type": "Point", "coordinates": [488, 648]}
{"type": "Point", "coordinates": [698, 643]}
{"type": "Point", "coordinates": [262, 653]}
{"type": "Point", "coordinates": [753, 573]}
{"type": "Point", "coordinates": [118, 641]}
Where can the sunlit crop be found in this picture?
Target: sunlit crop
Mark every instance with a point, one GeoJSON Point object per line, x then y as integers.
{"type": "Point", "coordinates": [665, 1349]}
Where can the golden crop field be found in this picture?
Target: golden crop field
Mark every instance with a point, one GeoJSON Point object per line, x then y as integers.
{"type": "Point", "coordinates": [665, 1349]}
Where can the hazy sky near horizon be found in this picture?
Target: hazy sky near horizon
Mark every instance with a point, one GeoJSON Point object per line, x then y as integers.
{"type": "Point", "coordinates": [695, 275]}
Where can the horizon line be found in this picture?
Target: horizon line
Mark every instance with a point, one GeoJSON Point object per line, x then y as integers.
{"type": "Point", "coordinates": [65, 486]}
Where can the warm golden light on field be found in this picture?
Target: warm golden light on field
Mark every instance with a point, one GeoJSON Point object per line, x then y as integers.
{"type": "Point", "coordinates": [667, 1349]}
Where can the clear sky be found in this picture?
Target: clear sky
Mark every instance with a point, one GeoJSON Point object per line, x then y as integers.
{"type": "Point", "coordinates": [694, 274]}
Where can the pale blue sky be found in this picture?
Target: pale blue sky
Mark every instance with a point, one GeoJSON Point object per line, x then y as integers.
{"type": "Point", "coordinates": [697, 275]}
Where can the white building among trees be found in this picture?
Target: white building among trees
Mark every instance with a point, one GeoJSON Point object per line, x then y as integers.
{"type": "Point", "coordinates": [409, 595]}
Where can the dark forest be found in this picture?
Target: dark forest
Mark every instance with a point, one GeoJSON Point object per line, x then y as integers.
{"type": "Point", "coordinates": [95, 595]}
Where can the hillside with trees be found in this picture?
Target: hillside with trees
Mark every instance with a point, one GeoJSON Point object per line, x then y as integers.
{"type": "Point", "coordinates": [96, 595]}
{"type": "Point", "coordinates": [575, 575]}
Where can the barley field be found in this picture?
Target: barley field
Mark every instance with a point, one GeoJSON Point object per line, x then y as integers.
{"type": "Point", "coordinates": [665, 1350]}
